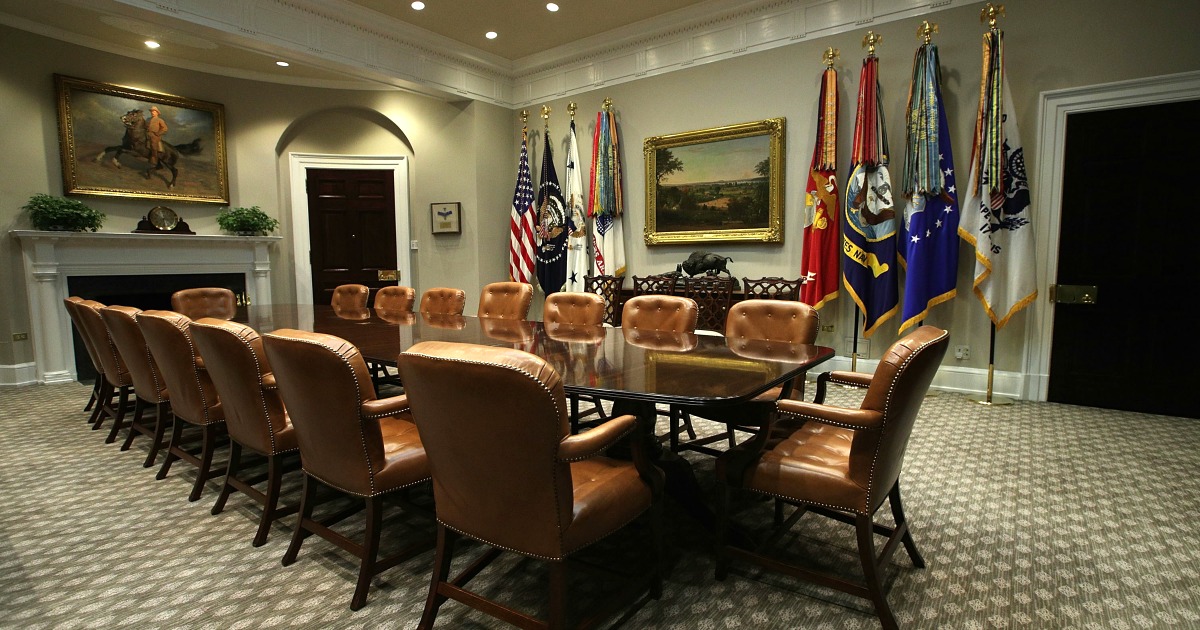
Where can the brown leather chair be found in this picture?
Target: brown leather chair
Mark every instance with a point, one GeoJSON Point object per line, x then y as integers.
{"type": "Point", "coordinates": [443, 301]}
{"type": "Point", "coordinates": [70, 304]}
{"type": "Point", "coordinates": [668, 313]}
{"type": "Point", "coordinates": [117, 383]}
{"type": "Point", "coordinates": [149, 386]}
{"type": "Point", "coordinates": [254, 413]}
{"type": "Point", "coordinates": [194, 398]}
{"type": "Point", "coordinates": [350, 297]}
{"type": "Point", "coordinates": [505, 300]}
{"type": "Point", "coordinates": [395, 299]}
{"type": "Point", "coordinates": [780, 322]}
{"type": "Point", "coordinates": [841, 463]}
{"type": "Point", "coordinates": [609, 288]}
{"type": "Point", "coordinates": [511, 476]}
{"type": "Point", "coordinates": [204, 302]}
{"type": "Point", "coordinates": [583, 309]}
{"type": "Point", "coordinates": [349, 440]}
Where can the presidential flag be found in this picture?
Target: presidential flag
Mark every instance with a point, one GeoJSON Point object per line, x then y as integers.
{"type": "Point", "coordinates": [551, 248]}
{"type": "Point", "coordinates": [819, 262]}
{"type": "Point", "coordinates": [605, 202]}
{"type": "Point", "coordinates": [999, 224]}
{"type": "Point", "coordinates": [520, 241]}
{"type": "Point", "coordinates": [578, 258]}
{"type": "Point", "coordinates": [869, 223]}
{"type": "Point", "coordinates": [928, 238]}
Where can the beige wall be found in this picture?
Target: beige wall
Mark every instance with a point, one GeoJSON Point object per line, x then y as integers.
{"type": "Point", "coordinates": [467, 151]}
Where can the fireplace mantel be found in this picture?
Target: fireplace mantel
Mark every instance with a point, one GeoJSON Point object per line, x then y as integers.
{"type": "Point", "coordinates": [53, 257]}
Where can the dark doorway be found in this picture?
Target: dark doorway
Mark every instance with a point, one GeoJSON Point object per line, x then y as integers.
{"type": "Point", "coordinates": [1125, 179]}
{"type": "Point", "coordinates": [352, 222]}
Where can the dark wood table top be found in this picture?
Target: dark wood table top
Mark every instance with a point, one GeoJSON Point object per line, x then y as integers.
{"type": "Point", "coordinates": [608, 362]}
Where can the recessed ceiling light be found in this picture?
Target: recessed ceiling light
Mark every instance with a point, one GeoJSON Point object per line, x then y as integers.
{"type": "Point", "coordinates": [418, 5]}
{"type": "Point", "coordinates": [282, 64]}
{"type": "Point", "coordinates": [551, 7]}
{"type": "Point", "coordinates": [150, 43]}
{"type": "Point", "coordinates": [490, 35]}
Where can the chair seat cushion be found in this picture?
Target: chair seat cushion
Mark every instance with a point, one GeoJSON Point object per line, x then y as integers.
{"type": "Point", "coordinates": [812, 465]}
{"type": "Point", "coordinates": [405, 462]}
{"type": "Point", "coordinates": [608, 494]}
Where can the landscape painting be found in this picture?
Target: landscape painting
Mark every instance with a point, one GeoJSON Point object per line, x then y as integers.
{"type": "Point", "coordinates": [120, 141]}
{"type": "Point", "coordinates": [723, 184]}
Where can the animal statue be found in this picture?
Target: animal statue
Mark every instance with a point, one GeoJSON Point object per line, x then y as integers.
{"type": "Point", "coordinates": [136, 141]}
{"type": "Point", "coordinates": [707, 263]}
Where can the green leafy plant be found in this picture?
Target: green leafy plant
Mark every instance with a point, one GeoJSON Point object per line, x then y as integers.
{"type": "Point", "coordinates": [250, 220]}
{"type": "Point", "coordinates": [48, 212]}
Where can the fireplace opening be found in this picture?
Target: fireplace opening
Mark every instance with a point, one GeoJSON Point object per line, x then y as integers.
{"type": "Point", "coordinates": [147, 292]}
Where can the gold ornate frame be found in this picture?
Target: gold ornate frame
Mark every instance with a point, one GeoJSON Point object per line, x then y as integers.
{"type": "Point", "coordinates": [91, 132]}
{"type": "Point", "coordinates": [768, 231]}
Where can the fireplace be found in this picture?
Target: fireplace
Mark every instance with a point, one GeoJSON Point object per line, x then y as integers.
{"type": "Point", "coordinates": [140, 270]}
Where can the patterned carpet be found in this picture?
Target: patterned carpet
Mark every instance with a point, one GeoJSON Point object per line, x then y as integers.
{"type": "Point", "coordinates": [1033, 515]}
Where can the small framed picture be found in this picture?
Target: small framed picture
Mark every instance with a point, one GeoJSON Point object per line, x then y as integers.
{"type": "Point", "coordinates": [446, 218]}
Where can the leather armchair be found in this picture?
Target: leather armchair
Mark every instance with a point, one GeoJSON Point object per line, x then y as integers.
{"type": "Point", "coordinates": [505, 300]}
{"type": "Point", "coordinates": [443, 301]}
{"type": "Point", "coordinates": [585, 309]}
{"type": "Point", "coordinates": [350, 297]}
{"type": "Point", "coordinates": [393, 304]}
{"type": "Point", "coordinates": [395, 299]}
{"type": "Point", "coordinates": [194, 398]}
{"type": "Point", "coordinates": [149, 386]}
{"type": "Point", "coordinates": [71, 304]}
{"type": "Point", "coordinates": [254, 413]}
{"type": "Point", "coordinates": [841, 463]}
{"type": "Point", "coordinates": [205, 302]}
{"type": "Point", "coordinates": [512, 476]}
{"type": "Point", "coordinates": [117, 381]}
{"type": "Point", "coordinates": [349, 440]}
{"type": "Point", "coordinates": [667, 313]}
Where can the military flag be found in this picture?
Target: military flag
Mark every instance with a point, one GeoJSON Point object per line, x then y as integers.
{"type": "Point", "coordinates": [999, 224]}
{"type": "Point", "coordinates": [578, 257]}
{"type": "Point", "coordinates": [869, 223]}
{"type": "Point", "coordinates": [819, 264]}
{"type": "Point", "coordinates": [520, 241]}
{"type": "Point", "coordinates": [551, 248]}
{"type": "Point", "coordinates": [605, 202]}
{"type": "Point", "coordinates": [928, 237]}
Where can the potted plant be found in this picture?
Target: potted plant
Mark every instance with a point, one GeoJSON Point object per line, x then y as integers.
{"type": "Point", "coordinates": [48, 212]}
{"type": "Point", "coordinates": [250, 221]}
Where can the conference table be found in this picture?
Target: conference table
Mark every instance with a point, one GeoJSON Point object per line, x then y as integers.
{"type": "Point", "coordinates": [634, 369]}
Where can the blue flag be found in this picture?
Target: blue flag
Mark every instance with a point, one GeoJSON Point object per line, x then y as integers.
{"type": "Point", "coordinates": [928, 245]}
{"type": "Point", "coordinates": [551, 227]}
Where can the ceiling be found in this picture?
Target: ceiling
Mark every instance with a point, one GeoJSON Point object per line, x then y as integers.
{"type": "Point", "coordinates": [525, 28]}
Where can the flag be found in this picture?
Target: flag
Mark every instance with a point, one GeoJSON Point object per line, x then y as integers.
{"type": "Point", "coordinates": [928, 237]}
{"type": "Point", "coordinates": [520, 241]}
{"type": "Point", "coordinates": [578, 260]}
{"type": "Point", "coordinates": [551, 228]}
{"type": "Point", "coordinates": [869, 223]}
{"type": "Point", "coordinates": [819, 264]}
{"type": "Point", "coordinates": [605, 203]}
{"type": "Point", "coordinates": [999, 225]}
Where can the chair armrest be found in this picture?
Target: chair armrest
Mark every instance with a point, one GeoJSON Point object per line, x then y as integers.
{"type": "Point", "coordinates": [853, 379]}
{"type": "Point", "coordinates": [383, 407]}
{"type": "Point", "coordinates": [856, 419]}
{"type": "Point", "coordinates": [584, 445]}
{"type": "Point", "coordinates": [268, 381]}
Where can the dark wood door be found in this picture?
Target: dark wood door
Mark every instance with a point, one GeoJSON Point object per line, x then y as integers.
{"type": "Point", "coordinates": [1127, 176]}
{"type": "Point", "coordinates": [352, 226]}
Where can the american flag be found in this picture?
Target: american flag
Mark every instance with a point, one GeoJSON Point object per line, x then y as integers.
{"type": "Point", "coordinates": [520, 244]}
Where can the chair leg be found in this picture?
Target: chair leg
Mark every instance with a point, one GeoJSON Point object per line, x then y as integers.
{"type": "Point", "coordinates": [441, 574]}
{"type": "Point", "coordinates": [206, 457]}
{"type": "Point", "coordinates": [175, 444]}
{"type": "Point", "coordinates": [122, 406]}
{"type": "Point", "coordinates": [557, 617]}
{"type": "Point", "coordinates": [306, 509]}
{"type": "Point", "coordinates": [103, 404]}
{"type": "Point", "coordinates": [274, 481]}
{"type": "Point", "coordinates": [866, 552]}
{"type": "Point", "coordinates": [723, 498]}
{"type": "Point", "coordinates": [95, 394]}
{"type": "Point", "coordinates": [366, 569]}
{"type": "Point", "coordinates": [898, 515]}
{"type": "Point", "coordinates": [673, 431]}
{"type": "Point", "coordinates": [139, 413]}
{"type": "Point", "coordinates": [162, 415]}
{"type": "Point", "coordinates": [235, 458]}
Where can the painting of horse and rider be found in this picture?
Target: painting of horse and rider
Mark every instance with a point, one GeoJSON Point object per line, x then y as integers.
{"type": "Point", "coordinates": [120, 141]}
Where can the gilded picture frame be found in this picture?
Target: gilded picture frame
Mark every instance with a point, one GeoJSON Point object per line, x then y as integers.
{"type": "Point", "coordinates": [106, 135]}
{"type": "Point", "coordinates": [719, 184]}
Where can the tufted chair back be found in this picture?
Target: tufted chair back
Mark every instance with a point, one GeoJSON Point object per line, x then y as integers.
{"type": "Point", "coordinates": [72, 305]}
{"type": "Point", "coordinates": [668, 313]}
{"type": "Point", "coordinates": [350, 297]}
{"type": "Point", "coordinates": [148, 381]}
{"type": "Point", "coordinates": [505, 300]}
{"type": "Point", "coordinates": [395, 299]}
{"type": "Point", "coordinates": [205, 302]}
{"type": "Point", "coordinates": [772, 320]}
{"type": "Point", "coordinates": [444, 301]}
{"type": "Point", "coordinates": [115, 369]}
{"type": "Point", "coordinates": [573, 308]}
{"type": "Point", "coordinates": [193, 396]}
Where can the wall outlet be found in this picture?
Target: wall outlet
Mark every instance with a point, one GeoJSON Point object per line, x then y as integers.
{"type": "Point", "coordinates": [864, 347]}
{"type": "Point", "coordinates": [20, 336]}
{"type": "Point", "coordinates": [962, 353]}
{"type": "Point", "coordinates": [412, 245]}
{"type": "Point", "coordinates": [827, 328]}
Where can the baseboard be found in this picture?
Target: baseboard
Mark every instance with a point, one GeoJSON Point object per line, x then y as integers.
{"type": "Point", "coordinates": [19, 374]}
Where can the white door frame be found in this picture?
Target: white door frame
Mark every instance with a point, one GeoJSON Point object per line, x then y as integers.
{"type": "Point", "coordinates": [301, 236]}
{"type": "Point", "coordinates": [1052, 135]}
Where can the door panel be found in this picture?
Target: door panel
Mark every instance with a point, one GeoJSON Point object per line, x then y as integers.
{"type": "Point", "coordinates": [352, 219]}
{"type": "Point", "coordinates": [1123, 175]}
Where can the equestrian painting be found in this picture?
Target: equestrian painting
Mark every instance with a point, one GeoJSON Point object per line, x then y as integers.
{"type": "Point", "coordinates": [119, 141]}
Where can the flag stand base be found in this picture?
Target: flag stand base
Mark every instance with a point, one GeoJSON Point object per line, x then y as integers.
{"type": "Point", "coordinates": [988, 399]}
